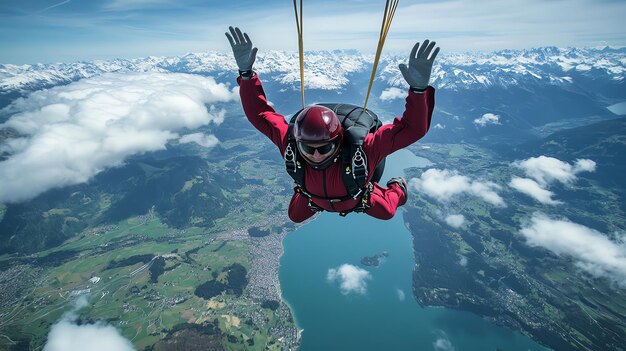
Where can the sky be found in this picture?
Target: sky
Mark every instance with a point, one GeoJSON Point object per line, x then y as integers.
{"type": "Point", "coordinates": [46, 31]}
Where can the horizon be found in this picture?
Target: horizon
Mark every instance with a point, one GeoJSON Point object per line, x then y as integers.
{"type": "Point", "coordinates": [384, 54]}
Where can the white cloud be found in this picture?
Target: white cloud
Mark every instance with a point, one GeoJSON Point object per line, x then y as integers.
{"type": "Point", "coordinates": [71, 133]}
{"type": "Point", "coordinates": [393, 93]}
{"type": "Point", "coordinates": [439, 126]}
{"type": "Point", "coordinates": [401, 294]}
{"type": "Point", "coordinates": [55, 5]}
{"type": "Point", "coordinates": [487, 118]}
{"type": "Point", "coordinates": [455, 221]}
{"type": "Point", "coordinates": [546, 170]}
{"type": "Point", "coordinates": [462, 261]}
{"type": "Point", "coordinates": [592, 251]}
{"type": "Point", "coordinates": [444, 184]}
{"type": "Point", "coordinates": [351, 278]}
{"type": "Point", "coordinates": [66, 335]}
{"type": "Point", "coordinates": [122, 5]}
{"type": "Point", "coordinates": [200, 139]}
{"type": "Point", "coordinates": [443, 343]}
{"type": "Point", "coordinates": [534, 190]}
{"type": "Point", "coordinates": [584, 165]}
{"type": "Point", "coordinates": [81, 302]}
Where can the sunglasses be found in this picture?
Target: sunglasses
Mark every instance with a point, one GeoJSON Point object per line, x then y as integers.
{"type": "Point", "coordinates": [324, 149]}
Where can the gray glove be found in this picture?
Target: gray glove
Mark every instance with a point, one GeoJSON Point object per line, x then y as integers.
{"type": "Point", "coordinates": [242, 49]}
{"type": "Point", "coordinates": [417, 74]}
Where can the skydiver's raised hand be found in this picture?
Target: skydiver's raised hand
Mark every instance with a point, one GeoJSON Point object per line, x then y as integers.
{"type": "Point", "coordinates": [244, 53]}
{"type": "Point", "coordinates": [417, 74]}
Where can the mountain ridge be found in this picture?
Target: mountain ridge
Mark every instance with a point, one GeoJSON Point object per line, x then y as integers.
{"type": "Point", "coordinates": [330, 69]}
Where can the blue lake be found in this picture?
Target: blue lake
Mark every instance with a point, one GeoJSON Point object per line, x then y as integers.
{"type": "Point", "coordinates": [383, 314]}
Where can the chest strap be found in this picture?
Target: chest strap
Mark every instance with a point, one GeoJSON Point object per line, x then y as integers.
{"type": "Point", "coordinates": [354, 165]}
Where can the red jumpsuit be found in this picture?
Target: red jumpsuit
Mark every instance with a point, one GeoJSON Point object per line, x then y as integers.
{"type": "Point", "coordinates": [328, 183]}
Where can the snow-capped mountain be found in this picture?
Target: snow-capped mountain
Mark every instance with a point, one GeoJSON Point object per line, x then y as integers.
{"type": "Point", "coordinates": [330, 70]}
{"type": "Point", "coordinates": [481, 96]}
{"type": "Point", "coordinates": [549, 65]}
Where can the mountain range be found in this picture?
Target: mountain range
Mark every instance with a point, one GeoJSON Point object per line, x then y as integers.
{"type": "Point", "coordinates": [533, 90]}
{"type": "Point", "coordinates": [329, 70]}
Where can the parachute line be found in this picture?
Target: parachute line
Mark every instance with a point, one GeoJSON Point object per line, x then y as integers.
{"type": "Point", "coordinates": [390, 10]}
{"type": "Point", "coordinates": [300, 46]}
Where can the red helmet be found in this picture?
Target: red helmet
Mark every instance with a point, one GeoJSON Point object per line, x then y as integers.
{"type": "Point", "coordinates": [318, 125]}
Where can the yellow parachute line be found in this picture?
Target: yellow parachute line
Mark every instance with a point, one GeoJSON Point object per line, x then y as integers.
{"type": "Point", "coordinates": [390, 10]}
{"type": "Point", "coordinates": [300, 46]}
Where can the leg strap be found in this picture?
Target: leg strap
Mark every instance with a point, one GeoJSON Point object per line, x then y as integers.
{"type": "Point", "coordinates": [364, 204]}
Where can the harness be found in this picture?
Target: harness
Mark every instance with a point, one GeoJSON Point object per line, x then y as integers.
{"type": "Point", "coordinates": [357, 123]}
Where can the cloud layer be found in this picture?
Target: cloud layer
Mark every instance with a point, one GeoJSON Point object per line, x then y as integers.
{"type": "Point", "coordinates": [200, 139]}
{"type": "Point", "coordinates": [487, 118]}
{"type": "Point", "coordinates": [70, 133]}
{"type": "Point", "coordinates": [392, 94]}
{"type": "Point", "coordinates": [66, 335]}
{"type": "Point", "coordinates": [455, 221]}
{"type": "Point", "coordinates": [534, 190]}
{"type": "Point", "coordinates": [351, 279]}
{"type": "Point", "coordinates": [401, 294]}
{"type": "Point", "coordinates": [592, 251]}
{"type": "Point", "coordinates": [544, 171]}
{"type": "Point", "coordinates": [442, 343]}
{"type": "Point", "coordinates": [443, 185]}
{"type": "Point", "coordinates": [462, 261]}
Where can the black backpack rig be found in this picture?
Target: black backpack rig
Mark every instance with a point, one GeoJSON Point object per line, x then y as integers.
{"type": "Point", "coordinates": [356, 123]}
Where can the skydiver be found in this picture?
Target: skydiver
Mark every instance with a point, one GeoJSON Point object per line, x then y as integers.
{"type": "Point", "coordinates": [319, 137]}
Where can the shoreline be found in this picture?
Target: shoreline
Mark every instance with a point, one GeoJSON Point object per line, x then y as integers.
{"type": "Point", "coordinates": [263, 277]}
{"type": "Point", "coordinates": [295, 321]}
{"type": "Point", "coordinates": [298, 326]}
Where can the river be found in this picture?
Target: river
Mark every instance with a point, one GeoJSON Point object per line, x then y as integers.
{"type": "Point", "coordinates": [343, 305]}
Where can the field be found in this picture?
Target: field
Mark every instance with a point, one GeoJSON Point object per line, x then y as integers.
{"type": "Point", "coordinates": [127, 298]}
{"type": "Point", "coordinates": [140, 273]}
